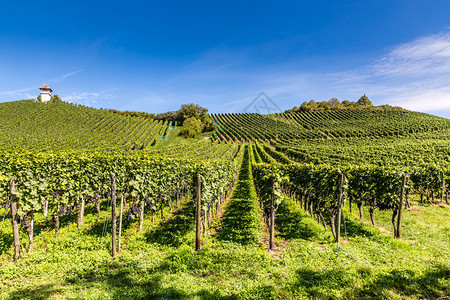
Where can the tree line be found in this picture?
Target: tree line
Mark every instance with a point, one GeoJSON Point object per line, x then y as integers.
{"type": "Point", "coordinates": [334, 104]}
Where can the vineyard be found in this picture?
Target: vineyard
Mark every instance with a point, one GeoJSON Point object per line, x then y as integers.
{"type": "Point", "coordinates": [29, 125]}
{"type": "Point", "coordinates": [339, 204]}
{"type": "Point", "coordinates": [325, 124]}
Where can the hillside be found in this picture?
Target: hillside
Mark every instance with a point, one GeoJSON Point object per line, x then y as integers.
{"type": "Point", "coordinates": [325, 124]}
{"type": "Point", "coordinates": [36, 126]}
{"type": "Point", "coordinates": [63, 126]}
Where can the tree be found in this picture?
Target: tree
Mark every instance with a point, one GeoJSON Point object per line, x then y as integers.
{"type": "Point", "coordinates": [364, 101]}
{"type": "Point", "coordinates": [56, 98]}
{"type": "Point", "coordinates": [294, 109]}
{"type": "Point", "coordinates": [348, 104]}
{"type": "Point", "coordinates": [334, 103]}
{"type": "Point", "coordinates": [167, 116]}
{"type": "Point", "coordinates": [312, 104]}
{"type": "Point", "coordinates": [324, 105]}
{"type": "Point", "coordinates": [39, 98]}
{"type": "Point", "coordinates": [191, 127]}
{"type": "Point", "coordinates": [305, 107]}
{"type": "Point", "coordinates": [192, 111]}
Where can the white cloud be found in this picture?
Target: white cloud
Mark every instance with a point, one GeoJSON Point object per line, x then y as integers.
{"type": "Point", "coordinates": [414, 75]}
{"type": "Point", "coordinates": [24, 93]}
{"type": "Point", "coordinates": [87, 98]}
{"type": "Point", "coordinates": [64, 76]}
{"type": "Point", "coordinates": [425, 58]}
{"type": "Point", "coordinates": [18, 92]}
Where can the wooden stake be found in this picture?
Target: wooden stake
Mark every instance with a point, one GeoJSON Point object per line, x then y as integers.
{"type": "Point", "coordinates": [272, 217]}
{"type": "Point", "coordinates": [341, 193]}
{"type": "Point", "coordinates": [120, 220]}
{"type": "Point", "coordinates": [97, 204]}
{"type": "Point", "coordinates": [57, 220]}
{"type": "Point", "coordinates": [80, 210]}
{"type": "Point", "coordinates": [304, 200]}
{"type": "Point", "coordinates": [45, 207]}
{"type": "Point", "coordinates": [83, 202]}
{"type": "Point", "coordinates": [113, 213]}
{"type": "Point", "coordinates": [14, 224]}
{"type": "Point", "coordinates": [198, 224]}
{"type": "Point", "coordinates": [141, 216]}
{"type": "Point", "coordinates": [30, 230]}
{"type": "Point", "coordinates": [400, 204]}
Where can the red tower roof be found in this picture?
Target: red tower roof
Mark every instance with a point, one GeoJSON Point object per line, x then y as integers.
{"type": "Point", "coordinates": [45, 87]}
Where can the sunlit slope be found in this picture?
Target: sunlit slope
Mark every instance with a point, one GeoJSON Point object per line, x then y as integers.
{"type": "Point", "coordinates": [370, 122]}
{"type": "Point", "coordinates": [56, 126]}
{"type": "Point", "coordinates": [326, 124]}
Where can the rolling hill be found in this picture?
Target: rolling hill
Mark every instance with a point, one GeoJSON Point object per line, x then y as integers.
{"type": "Point", "coordinates": [59, 125]}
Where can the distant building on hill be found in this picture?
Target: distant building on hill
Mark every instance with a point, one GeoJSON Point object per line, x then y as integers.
{"type": "Point", "coordinates": [46, 93]}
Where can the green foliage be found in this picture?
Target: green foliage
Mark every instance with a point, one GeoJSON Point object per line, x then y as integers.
{"type": "Point", "coordinates": [296, 127]}
{"type": "Point", "coordinates": [55, 98]}
{"type": "Point", "coordinates": [414, 151]}
{"type": "Point", "coordinates": [191, 128]}
{"type": "Point", "coordinates": [144, 115]}
{"type": "Point", "coordinates": [364, 101]}
{"type": "Point", "coordinates": [187, 111]}
{"type": "Point", "coordinates": [334, 104]}
{"type": "Point", "coordinates": [54, 126]}
{"type": "Point", "coordinates": [191, 110]}
{"type": "Point", "coordinates": [63, 178]}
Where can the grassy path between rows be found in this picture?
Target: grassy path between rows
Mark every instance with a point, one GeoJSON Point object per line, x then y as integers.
{"type": "Point", "coordinates": [241, 221]}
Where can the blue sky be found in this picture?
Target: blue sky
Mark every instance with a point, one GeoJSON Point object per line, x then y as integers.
{"type": "Point", "coordinates": [155, 56]}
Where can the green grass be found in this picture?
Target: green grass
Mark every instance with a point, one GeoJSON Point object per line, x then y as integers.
{"type": "Point", "coordinates": [424, 226]}
{"type": "Point", "coordinates": [174, 139]}
{"type": "Point", "coordinates": [242, 222]}
{"type": "Point", "coordinates": [293, 222]}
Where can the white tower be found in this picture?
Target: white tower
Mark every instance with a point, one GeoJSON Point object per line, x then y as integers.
{"type": "Point", "coordinates": [46, 93]}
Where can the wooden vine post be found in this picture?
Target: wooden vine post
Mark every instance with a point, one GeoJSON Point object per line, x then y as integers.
{"type": "Point", "coordinates": [83, 204]}
{"type": "Point", "coordinates": [14, 224]}
{"type": "Point", "coordinates": [56, 216]}
{"type": "Point", "coordinates": [113, 213]}
{"type": "Point", "coordinates": [272, 217]}
{"type": "Point", "coordinates": [80, 216]}
{"type": "Point", "coordinates": [45, 207]}
{"type": "Point", "coordinates": [338, 229]}
{"type": "Point", "coordinates": [120, 220]}
{"type": "Point", "coordinates": [400, 204]}
{"type": "Point", "coordinates": [29, 227]}
{"type": "Point", "coordinates": [141, 215]}
{"type": "Point", "coordinates": [198, 222]}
